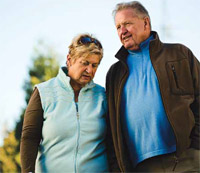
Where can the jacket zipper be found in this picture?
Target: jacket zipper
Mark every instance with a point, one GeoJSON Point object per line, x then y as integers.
{"type": "Point", "coordinates": [175, 76]}
{"type": "Point", "coordinates": [77, 144]}
{"type": "Point", "coordinates": [124, 78]}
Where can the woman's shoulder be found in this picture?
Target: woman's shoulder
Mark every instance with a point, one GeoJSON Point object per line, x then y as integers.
{"type": "Point", "coordinates": [46, 84]}
{"type": "Point", "coordinates": [99, 88]}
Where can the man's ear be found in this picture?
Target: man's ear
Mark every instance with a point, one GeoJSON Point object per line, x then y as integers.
{"type": "Point", "coordinates": [146, 22]}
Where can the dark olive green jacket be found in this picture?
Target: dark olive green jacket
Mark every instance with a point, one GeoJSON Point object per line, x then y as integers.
{"type": "Point", "coordinates": [178, 74]}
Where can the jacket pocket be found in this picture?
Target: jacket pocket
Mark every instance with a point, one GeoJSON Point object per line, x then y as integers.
{"type": "Point", "coordinates": [180, 78]}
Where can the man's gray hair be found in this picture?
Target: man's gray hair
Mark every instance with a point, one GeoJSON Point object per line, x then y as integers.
{"type": "Point", "coordinates": [138, 8]}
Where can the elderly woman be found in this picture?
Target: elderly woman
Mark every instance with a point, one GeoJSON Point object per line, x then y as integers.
{"type": "Point", "coordinates": [64, 124]}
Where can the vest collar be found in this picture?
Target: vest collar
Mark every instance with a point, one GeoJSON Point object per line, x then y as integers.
{"type": "Point", "coordinates": [65, 80]}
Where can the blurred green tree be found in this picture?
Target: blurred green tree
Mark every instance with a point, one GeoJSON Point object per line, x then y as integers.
{"type": "Point", "coordinates": [45, 65]}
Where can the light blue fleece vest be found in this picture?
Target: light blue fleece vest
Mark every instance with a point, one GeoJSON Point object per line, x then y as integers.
{"type": "Point", "coordinates": [72, 141]}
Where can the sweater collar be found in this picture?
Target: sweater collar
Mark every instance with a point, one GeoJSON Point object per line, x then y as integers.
{"type": "Point", "coordinates": [143, 46]}
{"type": "Point", "coordinates": [65, 80]}
{"type": "Point", "coordinates": [155, 42]}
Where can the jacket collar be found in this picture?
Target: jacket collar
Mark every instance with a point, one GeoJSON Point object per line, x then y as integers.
{"type": "Point", "coordinates": [65, 80]}
{"type": "Point", "coordinates": [155, 46]}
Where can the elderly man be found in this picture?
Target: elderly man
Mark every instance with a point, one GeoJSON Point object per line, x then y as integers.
{"type": "Point", "coordinates": [153, 98]}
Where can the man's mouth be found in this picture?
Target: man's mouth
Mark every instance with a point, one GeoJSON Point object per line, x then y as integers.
{"type": "Point", "coordinates": [126, 38]}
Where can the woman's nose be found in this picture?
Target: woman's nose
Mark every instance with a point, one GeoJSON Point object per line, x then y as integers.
{"type": "Point", "coordinates": [89, 68]}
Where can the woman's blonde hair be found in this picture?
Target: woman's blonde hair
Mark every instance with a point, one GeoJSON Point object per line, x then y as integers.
{"type": "Point", "coordinates": [78, 49]}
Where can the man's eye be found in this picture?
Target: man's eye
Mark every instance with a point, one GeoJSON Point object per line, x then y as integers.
{"type": "Point", "coordinates": [118, 27]}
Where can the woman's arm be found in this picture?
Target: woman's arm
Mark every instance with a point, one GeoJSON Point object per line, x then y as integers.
{"type": "Point", "coordinates": [31, 132]}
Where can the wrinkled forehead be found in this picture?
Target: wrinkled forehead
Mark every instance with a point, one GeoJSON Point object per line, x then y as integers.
{"type": "Point", "coordinates": [125, 16]}
{"type": "Point", "coordinates": [128, 12]}
{"type": "Point", "coordinates": [91, 57]}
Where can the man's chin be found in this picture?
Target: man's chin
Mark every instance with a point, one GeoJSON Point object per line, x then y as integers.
{"type": "Point", "coordinates": [131, 47]}
{"type": "Point", "coordinates": [127, 45]}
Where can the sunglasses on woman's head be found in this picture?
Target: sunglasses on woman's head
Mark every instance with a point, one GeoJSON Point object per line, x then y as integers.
{"type": "Point", "coordinates": [88, 40]}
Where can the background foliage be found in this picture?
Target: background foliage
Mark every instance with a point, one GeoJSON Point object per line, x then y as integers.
{"type": "Point", "coordinates": [44, 66]}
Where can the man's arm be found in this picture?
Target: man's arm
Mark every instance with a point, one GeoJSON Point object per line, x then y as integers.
{"type": "Point", "coordinates": [195, 106]}
{"type": "Point", "coordinates": [112, 160]}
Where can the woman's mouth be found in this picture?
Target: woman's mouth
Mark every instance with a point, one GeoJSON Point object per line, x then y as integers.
{"type": "Point", "coordinates": [86, 77]}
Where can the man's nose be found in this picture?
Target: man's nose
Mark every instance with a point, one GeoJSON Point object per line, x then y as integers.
{"type": "Point", "coordinates": [123, 30]}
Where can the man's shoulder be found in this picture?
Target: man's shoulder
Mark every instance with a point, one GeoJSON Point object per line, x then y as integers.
{"type": "Point", "coordinates": [115, 66]}
{"type": "Point", "coordinates": [176, 46]}
{"type": "Point", "coordinates": [116, 71]}
{"type": "Point", "coordinates": [175, 51]}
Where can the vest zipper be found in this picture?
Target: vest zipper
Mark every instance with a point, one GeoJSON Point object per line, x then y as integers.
{"type": "Point", "coordinates": [175, 76]}
{"type": "Point", "coordinates": [77, 144]}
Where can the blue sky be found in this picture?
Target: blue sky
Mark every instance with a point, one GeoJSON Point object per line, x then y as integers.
{"type": "Point", "coordinates": [56, 22]}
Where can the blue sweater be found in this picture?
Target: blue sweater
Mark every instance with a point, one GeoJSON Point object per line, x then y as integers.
{"type": "Point", "coordinates": [147, 130]}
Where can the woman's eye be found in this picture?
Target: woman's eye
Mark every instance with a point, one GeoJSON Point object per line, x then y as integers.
{"type": "Point", "coordinates": [95, 65]}
{"type": "Point", "coordinates": [85, 63]}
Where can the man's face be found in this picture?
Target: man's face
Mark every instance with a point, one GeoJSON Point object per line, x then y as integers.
{"type": "Point", "coordinates": [131, 29]}
{"type": "Point", "coordinates": [82, 70]}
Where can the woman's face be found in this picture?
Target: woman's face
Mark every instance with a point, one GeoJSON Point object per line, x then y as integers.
{"type": "Point", "coordinates": [82, 70]}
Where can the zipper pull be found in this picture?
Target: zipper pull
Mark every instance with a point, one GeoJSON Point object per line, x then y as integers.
{"type": "Point", "coordinates": [173, 68]}
{"type": "Point", "coordinates": [77, 114]}
{"type": "Point", "coordinates": [176, 162]}
{"type": "Point", "coordinates": [175, 76]}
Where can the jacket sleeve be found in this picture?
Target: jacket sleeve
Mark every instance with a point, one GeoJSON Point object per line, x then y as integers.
{"type": "Point", "coordinates": [31, 133]}
{"type": "Point", "coordinates": [112, 160]}
{"type": "Point", "coordinates": [195, 106]}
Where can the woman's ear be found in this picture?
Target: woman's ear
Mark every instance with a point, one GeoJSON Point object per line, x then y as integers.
{"type": "Point", "coordinates": [68, 60]}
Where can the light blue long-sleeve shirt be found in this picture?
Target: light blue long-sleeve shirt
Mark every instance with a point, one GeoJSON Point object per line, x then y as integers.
{"type": "Point", "coordinates": [146, 127]}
